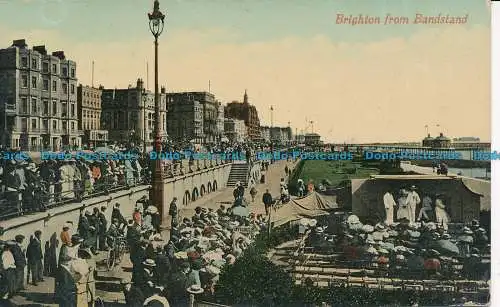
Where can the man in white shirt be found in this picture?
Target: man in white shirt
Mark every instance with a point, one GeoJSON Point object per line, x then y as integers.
{"type": "Point", "coordinates": [9, 270]}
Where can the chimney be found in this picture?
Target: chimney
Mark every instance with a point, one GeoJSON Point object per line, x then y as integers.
{"type": "Point", "coordinates": [428, 135]}
{"type": "Point", "coordinates": [21, 43]}
{"type": "Point", "coordinates": [441, 134]}
{"type": "Point", "coordinates": [101, 87]}
{"type": "Point", "coordinates": [59, 54]}
{"type": "Point", "coordinates": [40, 49]}
{"type": "Point", "coordinates": [163, 90]}
{"type": "Point", "coordinates": [140, 83]}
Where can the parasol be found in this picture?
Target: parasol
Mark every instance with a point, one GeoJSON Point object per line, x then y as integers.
{"type": "Point", "coordinates": [446, 247]}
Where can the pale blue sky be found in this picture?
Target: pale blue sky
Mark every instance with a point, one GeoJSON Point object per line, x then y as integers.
{"type": "Point", "coordinates": [287, 53]}
{"type": "Point", "coordinates": [254, 20]}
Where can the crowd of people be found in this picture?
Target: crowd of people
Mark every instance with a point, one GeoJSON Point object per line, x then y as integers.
{"type": "Point", "coordinates": [409, 250]}
{"type": "Point", "coordinates": [30, 187]}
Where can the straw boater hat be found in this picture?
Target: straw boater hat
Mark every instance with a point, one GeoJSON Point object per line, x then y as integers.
{"type": "Point", "coordinates": [379, 226]}
{"type": "Point", "coordinates": [149, 263]}
{"type": "Point", "coordinates": [195, 289]}
{"type": "Point", "coordinates": [413, 187]}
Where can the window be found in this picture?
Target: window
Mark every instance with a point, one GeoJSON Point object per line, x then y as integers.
{"type": "Point", "coordinates": [34, 108]}
{"type": "Point", "coordinates": [72, 89]}
{"type": "Point", "coordinates": [72, 72]}
{"type": "Point", "coordinates": [72, 110]}
{"type": "Point", "coordinates": [72, 126]}
{"type": "Point", "coordinates": [45, 123]}
{"type": "Point", "coordinates": [24, 81]}
{"type": "Point", "coordinates": [24, 124]}
{"type": "Point", "coordinates": [54, 86]}
{"type": "Point", "coordinates": [24, 61]}
{"type": "Point", "coordinates": [65, 88]}
{"type": "Point", "coordinates": [54, 68]}
{"type": "Point", "coordinates": [45, 84]}
{"type": "Point", "coordinates": [33, 123]}
{"type": "Point", "coordinates": [45, 67]}
{"type": "Point", "coordinates": [24, 105]}
{"type": "Point", "coordinates": [45, 107]}
{"type": "Point", "coordinates": [65, 71]}
{"type": "Point", "coordinates": [64, 110]}
{"type": "Point", "coordinates": [34, 81]}
{"type": "Point", "coordinates": [34, 64]}
{"type": "Point", "coordinates": [65, 125]}
{"type": "Point", "coordinates": [54, 108]}
{"type": "Point", "coordinates": [54, 124]}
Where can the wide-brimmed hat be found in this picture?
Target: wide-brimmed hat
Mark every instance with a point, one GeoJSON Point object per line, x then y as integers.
{"type": "Point", "coordinates": [152, 210]}
{"type": "Point", "coordinates": [85, 253]}
{"type": "Point", "coordinates": [218, 227]}
{"type": "Point", "coordinates": [213, 270]}
{"type": "Point", "coordinates": [125, 281]}
{"type": "Point", "coordinates": [413, 187]}
{"type": "Point", "coordinates": [383, 251]}
{"type": "Point", "coordinates": [234, 224]}
{"type": "Point", "coordinates": [467, 231]}
{"type": "Point", "coordinates": [353, 219]}
{"type": "Point", "coordinates": [367, 228]}
{"type": "Point", "coordinates": [149, 262]}
{"type": "Point", "coordinates": [195, 289]}
{"type": "Point", "coordinates": [446, 236]}
{"type": "Point", "coordinates": [379, 226]}
{"type": "Point", "coordinates": [319, 230]}
{"type": "Point", "coordinates": [76, 239]}
{"type": "Point", "coordinates": [434, 253]}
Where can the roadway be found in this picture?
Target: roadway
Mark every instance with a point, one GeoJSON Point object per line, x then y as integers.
{"type": "Point", "coordinates": [108, 283]}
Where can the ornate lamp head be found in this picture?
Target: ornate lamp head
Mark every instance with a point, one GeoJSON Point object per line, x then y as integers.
{"type": "Point", "coordinates": [156, 20]}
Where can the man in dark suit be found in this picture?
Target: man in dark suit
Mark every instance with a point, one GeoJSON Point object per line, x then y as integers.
{"type": "Point", "coordinates": [267, 199]}
{"type": "Point", "coordinates": [20, 261]}
{"type": "Point", "coordinates": [103, 226]}
{"type": "Point", "coordinates": [35, 256]}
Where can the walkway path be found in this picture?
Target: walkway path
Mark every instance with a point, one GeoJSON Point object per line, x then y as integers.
{"type": "Point", "coordinates": [225, 195]}
{"type": "Point", "coordinates": [407, 167]}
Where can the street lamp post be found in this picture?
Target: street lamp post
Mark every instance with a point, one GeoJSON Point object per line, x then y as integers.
{"type": "Point", "coordinates": [145, 127]}
{"type": "Point", "coordinates": [156, 24]}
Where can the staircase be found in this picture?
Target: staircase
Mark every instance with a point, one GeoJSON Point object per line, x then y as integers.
{"type": "Point", "coordinates": [239, 172]}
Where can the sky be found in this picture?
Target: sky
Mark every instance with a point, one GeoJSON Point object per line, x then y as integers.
{"type": "Point", "coordinates": [362, 83]}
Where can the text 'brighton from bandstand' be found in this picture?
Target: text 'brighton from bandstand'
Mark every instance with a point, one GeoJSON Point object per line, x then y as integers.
{"type": "Point", "coordinates": [389, 19]}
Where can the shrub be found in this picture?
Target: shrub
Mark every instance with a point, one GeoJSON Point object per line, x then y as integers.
{"type": "Point", "coordinates": [254, 281]}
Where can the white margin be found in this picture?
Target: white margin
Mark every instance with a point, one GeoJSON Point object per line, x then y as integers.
{"type": "Point", "coordinates": [495, 145]}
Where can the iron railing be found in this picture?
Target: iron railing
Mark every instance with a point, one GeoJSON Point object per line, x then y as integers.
{"type": "Point", "coordinates": [42, 199]}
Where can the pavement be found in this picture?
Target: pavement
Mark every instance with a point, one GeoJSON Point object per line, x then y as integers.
{"type": "Point", "coordinates": [108, 283]}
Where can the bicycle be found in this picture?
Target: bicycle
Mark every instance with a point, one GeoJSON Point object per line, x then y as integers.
{"type": "Point", "coordinates": [116, 252]}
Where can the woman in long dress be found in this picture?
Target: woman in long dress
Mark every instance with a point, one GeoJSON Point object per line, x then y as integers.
{"type": "Point", "coordinates": [442, 217]}
{"type": "Point", "coordinates": [389, 204]}
{"type": "Point", "coordinates": [403, 206]}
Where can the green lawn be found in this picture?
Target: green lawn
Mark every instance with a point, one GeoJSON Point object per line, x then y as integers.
{"type": "Point", "coordinates": [333, 171]}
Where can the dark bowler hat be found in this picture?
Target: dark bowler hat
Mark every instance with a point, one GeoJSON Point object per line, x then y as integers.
{"type": "Point", "coordinates": [19, 238]}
